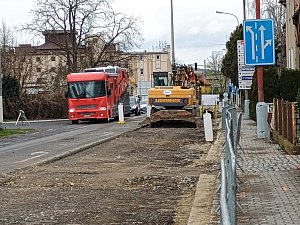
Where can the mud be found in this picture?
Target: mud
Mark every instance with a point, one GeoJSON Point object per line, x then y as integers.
{"type": "Point", "coordinates": [147, 176]}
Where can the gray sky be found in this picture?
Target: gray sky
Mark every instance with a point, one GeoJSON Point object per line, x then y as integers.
{"type": "Point", "coordinates": [199, 30]}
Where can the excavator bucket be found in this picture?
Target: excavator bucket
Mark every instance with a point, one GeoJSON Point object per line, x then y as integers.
{"type": "Point", "coordinates": [183, 116]}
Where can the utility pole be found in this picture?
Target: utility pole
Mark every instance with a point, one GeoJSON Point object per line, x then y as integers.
{"type": "Point", "coordinates": [172, 37]}
{"type": "Point", "coordinates": [263, 129]}
{"type": "Point", "coordinates": [260, 71]}
{"type": "Point", "coordinates": [244, 9]}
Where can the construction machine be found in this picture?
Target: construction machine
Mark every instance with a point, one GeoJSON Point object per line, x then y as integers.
{"type": "Point", "coordinates": [177, 101]}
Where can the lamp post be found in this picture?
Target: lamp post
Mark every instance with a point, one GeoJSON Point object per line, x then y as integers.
{"type": "Point", "coordinates": [238, 24]}
{"type": "Point", "coordinates": [220, 12]}
{"type": "Point", "coordinates": [172, 36]}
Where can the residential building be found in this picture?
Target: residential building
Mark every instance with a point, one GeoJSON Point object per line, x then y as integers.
{"type": "Point", "coordinates": [40, 67]}
{"type": "Point", "coordinates": [142, 65]}
{"type": "Point", "coordinates": [292, 32]}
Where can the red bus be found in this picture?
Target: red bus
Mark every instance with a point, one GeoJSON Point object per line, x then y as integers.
{"type": "Point", "coordinates": [96, 93]}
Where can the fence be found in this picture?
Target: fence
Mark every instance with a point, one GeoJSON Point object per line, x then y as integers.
{"type": "Point", "coordinates": [286, 120]}
{"type": "Point", "coordinates": [232, 127]}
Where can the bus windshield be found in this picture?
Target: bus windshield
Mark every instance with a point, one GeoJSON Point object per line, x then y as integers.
{"type": "Point", "coordinates": [86, 89]}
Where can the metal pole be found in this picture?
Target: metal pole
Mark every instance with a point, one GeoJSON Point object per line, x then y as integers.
{"type": "Point", "coordinates": [246, 102]}
{"type": "Point", "coordinates": [244, 9]}
{"type": "Point", "coordinates": [204, 69]}
{"type": "Point", "coordinates": [172, 36]}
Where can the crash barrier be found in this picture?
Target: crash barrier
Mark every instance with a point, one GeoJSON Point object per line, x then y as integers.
{"type": "Point", "coordinates": [228, 186]}
{"type": "Point", "coordinates": [225, 219]}
{"type": "Point", "coordinates": [232, 110]}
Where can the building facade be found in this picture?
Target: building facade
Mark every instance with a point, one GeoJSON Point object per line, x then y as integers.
{"type": "Point", "coordinates": [142, 65]}
{"type": "Point", "coordinates": [41, 67]}
{"type": "Point", "coordinates": [292, 33]}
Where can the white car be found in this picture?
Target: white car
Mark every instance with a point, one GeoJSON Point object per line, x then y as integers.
{"type": "Point", "coordinates": [143, 105]}
{"type": "Point", "coordinates": [135, 106]}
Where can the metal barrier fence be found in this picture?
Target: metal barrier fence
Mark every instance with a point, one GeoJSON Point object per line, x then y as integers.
{"type": "Point", "coordinates": [228, 203]}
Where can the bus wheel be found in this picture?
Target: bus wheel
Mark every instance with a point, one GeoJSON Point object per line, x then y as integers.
{"type": "Point", "coordinates": [75, 121]}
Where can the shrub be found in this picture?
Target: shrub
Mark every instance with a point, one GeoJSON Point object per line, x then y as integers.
{"type": "Point", "coordinates": [45, 106]}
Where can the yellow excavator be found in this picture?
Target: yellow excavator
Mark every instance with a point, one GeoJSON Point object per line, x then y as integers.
{"type": "Point", "coordinates": [177, 101]}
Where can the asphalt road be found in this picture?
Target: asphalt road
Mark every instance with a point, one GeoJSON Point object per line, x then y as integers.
{"type": "Point", "coordinates": [55, 139]}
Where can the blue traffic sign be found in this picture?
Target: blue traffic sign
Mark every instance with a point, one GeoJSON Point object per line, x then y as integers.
{"type": "Point", "coordinates": [259, 45]}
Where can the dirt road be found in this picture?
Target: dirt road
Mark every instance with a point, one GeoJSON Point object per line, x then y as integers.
{"type": "Point", "coordinates": [147, 176]}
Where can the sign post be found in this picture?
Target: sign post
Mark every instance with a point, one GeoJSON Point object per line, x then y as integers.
{"type": "Point", "coordinates": [245, 76]}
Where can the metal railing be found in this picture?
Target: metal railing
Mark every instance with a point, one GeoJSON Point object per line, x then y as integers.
{"type": "Point", "coordinates": [228, 186]}
{"type": "Point", "coordinates": [225, 219]}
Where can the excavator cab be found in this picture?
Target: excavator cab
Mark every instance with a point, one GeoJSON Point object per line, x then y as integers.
{"type": "Point", "coordinates": [161, 79]}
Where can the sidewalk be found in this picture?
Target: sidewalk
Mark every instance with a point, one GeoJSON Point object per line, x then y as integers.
{"type": "Point", "coordinates": [270, 184]}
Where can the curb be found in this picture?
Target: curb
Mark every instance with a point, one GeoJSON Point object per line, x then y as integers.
{"type": "Point", "coordinates": [74, 151]}
{"type": "Point", "coordinates": [201, 210]}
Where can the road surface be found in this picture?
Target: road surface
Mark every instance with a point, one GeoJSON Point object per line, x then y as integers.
{"type": "Point", "coordinates": [53, 139]}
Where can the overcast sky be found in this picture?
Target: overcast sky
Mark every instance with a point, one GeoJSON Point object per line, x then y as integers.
{"type": "Point", "coordinates": [198, 29]}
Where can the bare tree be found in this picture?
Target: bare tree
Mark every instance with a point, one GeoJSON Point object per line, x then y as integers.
{"type": "Point", "coordinates": [214, 66]}
{"type": "Point", "coordinates": [78, 19]}
{"type": "Point", "coordinates": [6, 39]}
{"type": "Point", "coordinates": [272, 9]}
{"type": "Point", "coordinates": [121, 32]}
{"type": "Point", "coordinates": [160, 46]}
{"type": "Point", "coordinates": [5, 35]}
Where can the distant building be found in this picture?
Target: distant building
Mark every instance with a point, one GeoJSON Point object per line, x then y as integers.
{"type": "Point", "coordinates": [143, 64]}
{"type": "Point", "coordinates": [37, 67]}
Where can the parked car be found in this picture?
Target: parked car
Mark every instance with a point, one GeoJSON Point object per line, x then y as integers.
{"type": "Point", "coordinates": [135, 106]}
{"type": "Point", "coordinates": [143, 105]}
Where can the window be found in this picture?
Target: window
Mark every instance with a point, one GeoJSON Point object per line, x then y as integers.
{"type": "Point", "coordinates": [296, 22]}
{"type": "Point", "coordinates": [142, 71]}
{"type": "Point", "coordinates": [88, 89]}
{"type": "Point", "coordinates": [38, 69]}
{"type": "Point", "coordinates": [52, 58]}
{"type": "Point", "coordinates": [157, 57]}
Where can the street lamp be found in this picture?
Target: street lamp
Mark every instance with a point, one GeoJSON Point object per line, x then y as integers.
{"type": "Point", "coordinates": [238, 24]}
{"type": "Point", "coordinates": [219, 12]}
